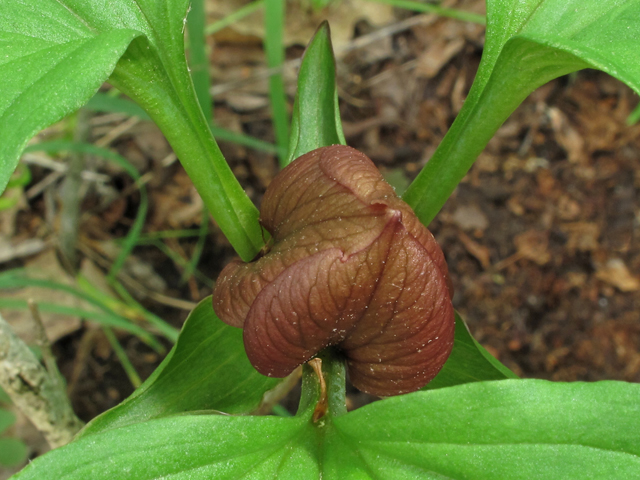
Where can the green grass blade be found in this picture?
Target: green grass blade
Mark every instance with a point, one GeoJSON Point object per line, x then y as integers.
{"type": "Point", "coordinates": [180, 261]}
{"type": "Point", "coordinates": [102, 102]}
{"type": "Point", "coordinates": [128, 309]}
{"type": "Point", "coordinates": [198, 59]}
{"type": "Point", "coordinates": [102, 318]}
{"type": "Point", "coordinates": [230, 19]}
{"type": "Point", "coordinates": [86, 148]}
{"type": "Point", "coordinates": [634, 116]}
{"type": "Point", "coordinates": [18, 278]}
{"type": "Point", "coordinates": [151, 237]}
{"type": "Point", "coordinates": [128, 367]}
{"type": "Point", "coordinates": [131, 239]}
{"type": "Point", "coordinates": [191, 266]}
{"type": "Point", "coordinates": [246, 140]}
{"type": "Point", "coordinates": [169, 331]}
{"type": "Point", "coordinates": [437, 10]}
{"type": "Point", "coordinates": [274, 49]}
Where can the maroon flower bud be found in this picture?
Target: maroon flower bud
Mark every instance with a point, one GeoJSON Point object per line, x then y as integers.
{"type": "Point", "coordinates": [351, 266]}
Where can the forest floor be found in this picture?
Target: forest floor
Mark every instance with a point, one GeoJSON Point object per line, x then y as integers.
{"type": "Point", "coordinates": [542, 237]}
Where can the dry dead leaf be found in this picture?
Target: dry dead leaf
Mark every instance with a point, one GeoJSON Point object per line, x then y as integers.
{"type": "Point", "coordinates": [44, 266]}
{"type": "Point", "coordinates": [431, 61]}
{"type": "Point", "coordinates": [301, 22]}
{"type": "Point", "coordinates": [567, 208]}
{"type": "Point", "coordinates": [615, 273]}
{"type": "Point", "coordinates": [177, 204]}
{"type": "Point", "coordinates": [26, 248]}
{"type": "Point", "coordinates": [138, 269]}
{"type": "Point", "coordinates": [583, 236]}
{"type": "Point", "coordinates": [246, 102]}
{"type": "Point", "coordinates": [470, 217]}
{"type": "Point", "coordinates": [567, 136]}
{"type": "Point", "coordinates": [533, 245]}
{"type": "Point", "coordinates": [480, 252]}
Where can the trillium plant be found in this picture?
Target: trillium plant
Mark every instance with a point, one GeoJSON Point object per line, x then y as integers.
{"type": "Point", "coordinates": [336, 274]}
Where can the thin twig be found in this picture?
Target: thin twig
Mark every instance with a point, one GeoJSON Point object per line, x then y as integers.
{"type": "Point", "coordinates": [116, 132]}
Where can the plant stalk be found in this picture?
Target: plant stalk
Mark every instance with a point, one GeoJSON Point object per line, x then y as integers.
{"type": "Point", "coordinates": [324, 386]}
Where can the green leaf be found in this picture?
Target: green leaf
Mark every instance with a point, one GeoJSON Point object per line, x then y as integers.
{"type": "Point", "coordinates": [316, 116]}
{"type": "Point", "coordinates": [207, 369]}
{"type": "Point", "coordinates": [12, 452]}
{"type": "Point", "coordinates": [524, 429]}
{"type": "Point", "coordinates": [43, 50]}
{"type": "Point", "coordinates": [515, 429]}
{"type": "Point", "coordinates": [55, 56]}
{"type": "Point", "coordinates": [187, 447]}
{"type": "Point", "coordinates": [6, 419]}
{"type": "Point", "coordinates": [528, 43]}
{"type": "Point", "coordinates": [469, 362]}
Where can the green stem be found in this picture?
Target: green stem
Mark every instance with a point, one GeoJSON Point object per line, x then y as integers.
{"type": "Point", "coordinates": [335, 376]}
{"type": "Point", "coordinates": [334, 373]}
